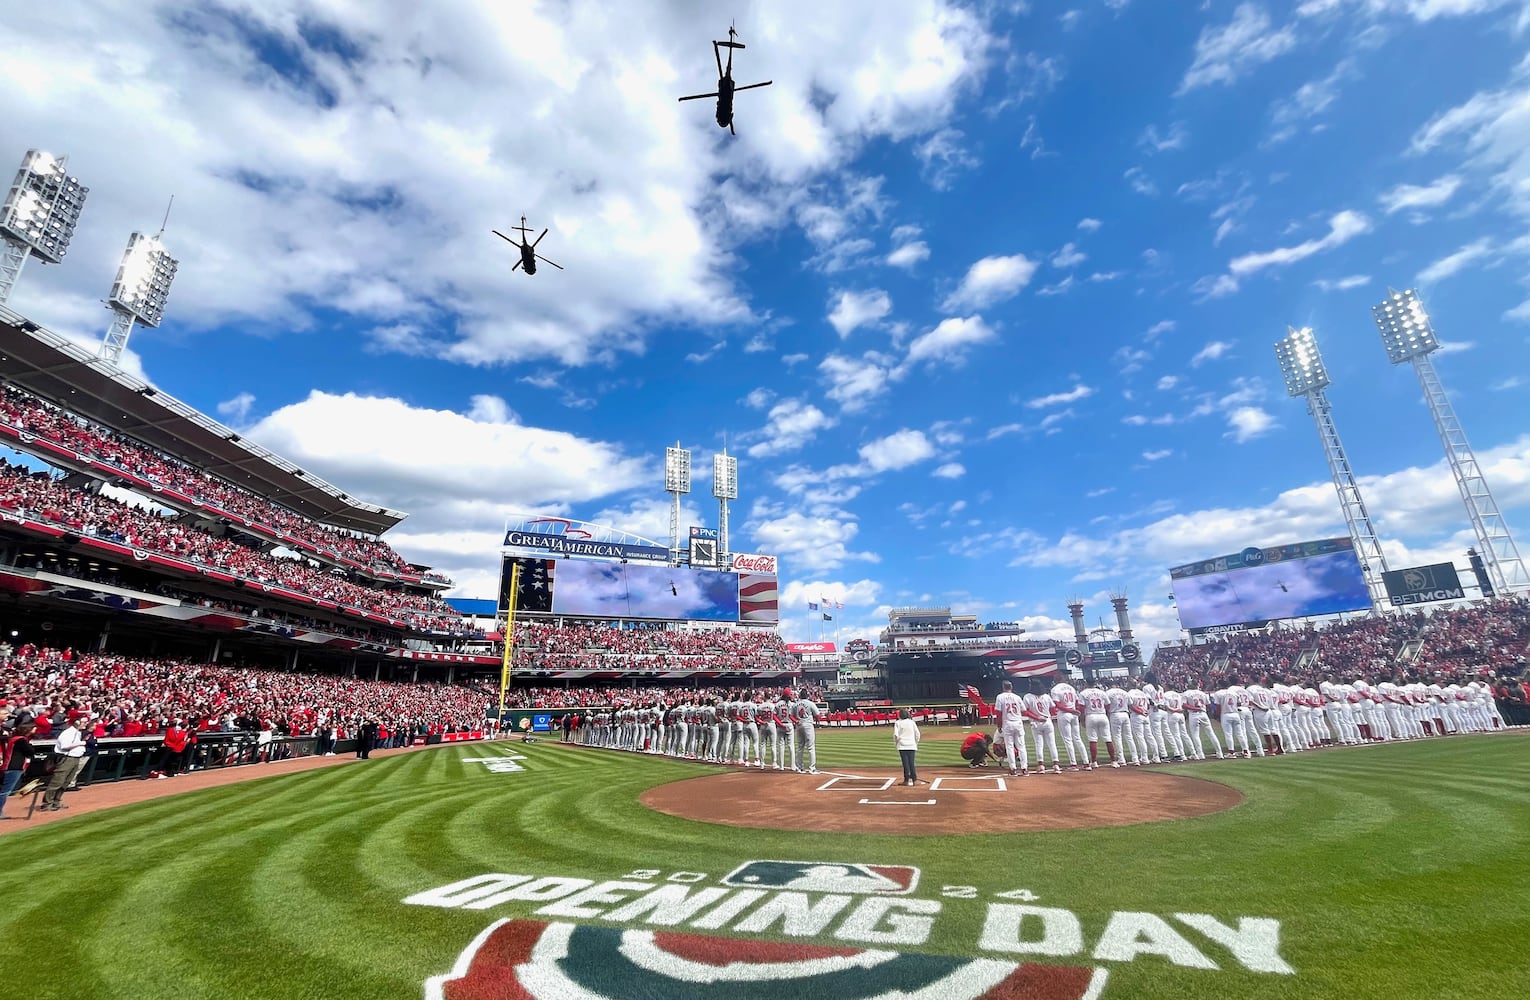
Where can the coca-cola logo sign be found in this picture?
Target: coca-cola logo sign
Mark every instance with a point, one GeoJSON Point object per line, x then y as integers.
{"type": "Point", "coordinates": [746, 563]}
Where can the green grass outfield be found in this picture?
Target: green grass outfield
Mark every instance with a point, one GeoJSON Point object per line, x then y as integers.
{"type": "Point", "coordinates": [1398, 871]}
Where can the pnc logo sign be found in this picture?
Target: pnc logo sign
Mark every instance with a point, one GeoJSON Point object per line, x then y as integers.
{"type": "Point", "coordinates": [534, 960]}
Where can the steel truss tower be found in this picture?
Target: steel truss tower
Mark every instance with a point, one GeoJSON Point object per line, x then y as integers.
{"type": "Point", "coordinates": [1306, 376]}
{"type": "Point", "coordinates": [1409, 336]}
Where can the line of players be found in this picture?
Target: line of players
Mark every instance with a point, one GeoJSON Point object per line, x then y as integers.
{"type": "Point", "coordinates": [744, 728]}
{"type": "Point", "coordinates": [1151, 725]}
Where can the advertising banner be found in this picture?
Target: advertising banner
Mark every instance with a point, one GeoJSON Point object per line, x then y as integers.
{"type": "Point", "coordinates": [1423, 584]}
{"type": "Point", "coordinates": [699, 532]}
{"type": "Point", "coordinates": [745, 562]}
{"type": "Point", "coordinates": [810, 647]}
{"type": "Point", "coordinates": [561, 546]}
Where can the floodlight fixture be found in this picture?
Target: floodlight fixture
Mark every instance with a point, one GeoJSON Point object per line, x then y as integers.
{"type": "Point", "coordinates": [38, 216]}
{"type": "Point", "coordinates": [143, 279]}
{"type": "Point", "coordinates": [1300, 362]}
{"type": "Point", "coordinates": [677, 470]}
{"type": "Point", "coordinates": [1409, 336]}
{"type": "Point", "coordinates": [725, 477]}
{"type": "Point", "coordinates": [1405, 328]}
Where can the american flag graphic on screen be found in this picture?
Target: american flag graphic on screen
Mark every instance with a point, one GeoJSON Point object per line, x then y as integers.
{"type": "Point", "coordinates": [757, 594]}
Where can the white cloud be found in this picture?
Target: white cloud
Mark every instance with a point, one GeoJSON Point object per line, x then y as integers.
{"type": "Point", "coordinates": [949, 341]}
{"type": "Point", "coordinates": [1072, 395]}
{"type": "Point", "coordinates": [237, 409]}
{"type": "Point", "coordinates": [1223, 54]}
{"type": "Point", "coordinates": [854, 383]}
{"type": "Point", "coordinates": [1342, 227]}
{"type": "Point", "coordinates": [1248, 422]}
{"type": "Point", "coordinates": [759, 398]}
{"type": "Point", "coordinates": [1343, 284]}
{"type": "Point", "coordinates": [1168, 382]}
{"type": "Point", "coordinates": [1453, 264]}
{"type": "Point", "coordinates": [1310, 100]}
{"type": "Point", "coordinates": [991, 280]}
{"type": "Point", "coordinates": [1057, 288]}
{"type": "Point", "coordinates": [1155, 142]}
{"type": "Point", "coordinates": [1140, 182]}
{"type": "Point", "coordinates": [790, 425]}
{"type": "Point", "coordinates": [1213, 351]}
{"type": "Point", "coordinates": [1154, 456]}
{"type": "Point", "coordinates": [1069, 256]}
{"type": "Point", "coordinates": [897, 450]}
{"type": "Point", "coordinates": [951, 470]}
{"type": "Point", "coordinates": [1433, 195]}
{"type": "Point", "coordinates": [1089, 225]}
{"type": "Point", "coordinates": [908, 254]}
{"type": "Point", "coordinates": [1160, 328]}
{"type": "Point", "coordinates": [807, 544]}
{"type": "Point", "coordinates": [854, 309]}
{"type": "Point", "coordinates": [944, 155]}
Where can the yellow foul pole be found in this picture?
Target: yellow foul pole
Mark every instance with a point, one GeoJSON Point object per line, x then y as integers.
{"type": "Point", "coordinates": [504, 672]}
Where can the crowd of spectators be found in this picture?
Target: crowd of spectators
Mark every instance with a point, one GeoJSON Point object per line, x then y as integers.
{"type": "Point", "coordinates": [144, 697]}
{"type": "Point", "coordinates": [1487, 640]}
{"type": "Point", "coordinates": [39, 496]}
{"type": "Point", "coordinates": [38, 419]}
{"type": "Point", "coordinates": [592, 646]}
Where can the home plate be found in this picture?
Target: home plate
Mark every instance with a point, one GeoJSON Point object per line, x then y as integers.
{"type": "Point", "coordinates": [900, 802]}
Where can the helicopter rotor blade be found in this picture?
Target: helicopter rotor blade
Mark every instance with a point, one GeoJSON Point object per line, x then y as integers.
{"type": "Point", "coordinates": [546, 261]}
{"type": "Point", "coordinates": [717, 54]}
{"type": "Point", "coordinates": [754, 85]}
{"type": "Point", "coordinates": [502, 236]}
{"type": "Point", "coordinates": [697, 97]}
{"type": "Point", "coordinates": [538, 239]}
{"type": "Point", "coordinates": [730, 127]}
{"type": "Point", "coordinates": [516, 266]}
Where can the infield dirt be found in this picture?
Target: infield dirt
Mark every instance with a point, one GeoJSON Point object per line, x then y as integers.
{"type": "Point", "coordinates": [951, 800]}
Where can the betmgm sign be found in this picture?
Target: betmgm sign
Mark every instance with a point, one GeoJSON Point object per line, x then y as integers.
{"type": "Point", "coordinates": [1423, 585]}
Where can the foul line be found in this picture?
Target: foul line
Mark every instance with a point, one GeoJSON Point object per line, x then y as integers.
{"type": "Point", "coordinates": [900, 802]}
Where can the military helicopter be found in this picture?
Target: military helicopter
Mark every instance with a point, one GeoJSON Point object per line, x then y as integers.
{"type": "Point", "coordinates": [725, 85]}
{"type": "Point", "coordinates": [529, 256]}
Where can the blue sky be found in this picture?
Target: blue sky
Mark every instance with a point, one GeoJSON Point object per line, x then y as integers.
{"type": "Point", "coordinates": [982, 296]}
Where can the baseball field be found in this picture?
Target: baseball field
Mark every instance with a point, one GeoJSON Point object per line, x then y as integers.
{"type": "Point", "coordinates": [505, 870]}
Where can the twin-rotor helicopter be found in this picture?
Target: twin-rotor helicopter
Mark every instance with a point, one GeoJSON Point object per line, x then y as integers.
{"type": "Point", "coordinates": [726, 88]}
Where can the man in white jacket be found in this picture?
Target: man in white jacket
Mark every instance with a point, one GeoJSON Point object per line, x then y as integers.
{"type": "Point", "coordinates": [906, 739]}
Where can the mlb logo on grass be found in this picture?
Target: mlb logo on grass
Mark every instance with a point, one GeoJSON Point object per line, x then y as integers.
{"type": "Point", "coordinates": [826, 876]}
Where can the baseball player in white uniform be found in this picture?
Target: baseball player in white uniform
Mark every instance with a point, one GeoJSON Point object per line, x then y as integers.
{"type": "Point", "coordinates": [1173, 707]}
{"type": "Point", "coordinates": [1040, 709]}
{"type": "Point", "coordinates": [1266, 717]}
{"type": "Point", "coordinates": [1010, 709]}
{"type": "Point", "coordinates": [1096, 724]}
{"type": "Point", "coordinates": [1138, 707]}
{"type": "Point", "coordinates": [1196, 702]}
{"type": "Point", "coordinates": [1120, 726]}
{"type": "Point", "coordinates": [1065, 698]}
{"type": "Point", "coordinates": [749, 719]}
{"type": "Point", "coordinates": [1232, 722]}
{"type": "Point", "coordinates": [1158, 724]}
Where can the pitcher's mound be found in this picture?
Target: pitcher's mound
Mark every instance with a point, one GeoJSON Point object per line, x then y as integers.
{"type": "Point", "coordinates": [954, 800]}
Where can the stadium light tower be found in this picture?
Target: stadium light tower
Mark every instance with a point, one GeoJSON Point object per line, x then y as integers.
{"type": "Point", "coordinates": [1409, 336]}
{"type": "Point", "coordinates": [1307, 376]}
{"type": "Point", "coordinates": [677, 483]}
{"type": "Point", "coordinates": [38, 216]}
{"type": "Point", "coordinates": [724, 488]}
{"type": "Point", "coordinates": [139, 293]}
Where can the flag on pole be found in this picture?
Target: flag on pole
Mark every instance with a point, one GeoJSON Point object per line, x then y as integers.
{"type": "Point", "coordinates": [812, 606]}
{"type": "Point", "coordinates": [839, 604]}
{"type": "Point", "coordinates": [827, 617]}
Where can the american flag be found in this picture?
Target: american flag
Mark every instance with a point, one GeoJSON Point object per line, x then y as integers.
{"type": "Point", "coordinates": [536, 584]}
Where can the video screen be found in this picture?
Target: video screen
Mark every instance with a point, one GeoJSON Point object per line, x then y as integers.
{"type": "Point", "coordinates": [632, 590]}
{"type": "Point", "coordinates": [1297, 588]}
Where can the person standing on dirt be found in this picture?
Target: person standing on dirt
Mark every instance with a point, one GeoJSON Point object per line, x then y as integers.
{"type": "Point", "coordinates": [906, 739]}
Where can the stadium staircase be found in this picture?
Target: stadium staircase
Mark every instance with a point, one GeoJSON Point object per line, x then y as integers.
{"type": "Point", "coordinates": [1408, 652]}
{"type": "Point", "coordinates": [1220, 662]}
{"type": "Point", "coordinates": [1304, 660]}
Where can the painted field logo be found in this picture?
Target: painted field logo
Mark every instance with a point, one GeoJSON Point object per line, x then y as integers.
{"type": "Point", "coordinates": [826, 876]}
{"type": "Point", "coordinates": [536, 960]}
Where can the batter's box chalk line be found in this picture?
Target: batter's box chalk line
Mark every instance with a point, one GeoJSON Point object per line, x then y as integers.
{"type": "Point", "coordinates": [950, 784]}
{"type": "Point", "coordinates": [855, 783]}
{"type": "Point", "coordinates": [898, 802]}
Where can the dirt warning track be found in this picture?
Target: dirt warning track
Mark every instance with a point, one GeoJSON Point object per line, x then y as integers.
{"type": "Point", "coordinates": [953, 800]}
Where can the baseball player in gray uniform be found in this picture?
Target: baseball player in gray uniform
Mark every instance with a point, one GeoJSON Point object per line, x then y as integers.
{"type": "Point", "coordinates": [804, 719]}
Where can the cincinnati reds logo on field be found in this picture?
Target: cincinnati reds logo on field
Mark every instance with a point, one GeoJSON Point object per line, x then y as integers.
{"type": "Point", "coordinates": [536, 960]}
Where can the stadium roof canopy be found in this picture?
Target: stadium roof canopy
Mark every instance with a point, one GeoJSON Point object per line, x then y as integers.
{"type": "Point", "coordinates": [58, 370]}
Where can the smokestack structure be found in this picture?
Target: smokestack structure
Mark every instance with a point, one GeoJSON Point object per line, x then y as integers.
{"type": "Point", "coordinates": [1124, 628]}
{"type": "Point", "coordinates": [1080, 637]}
